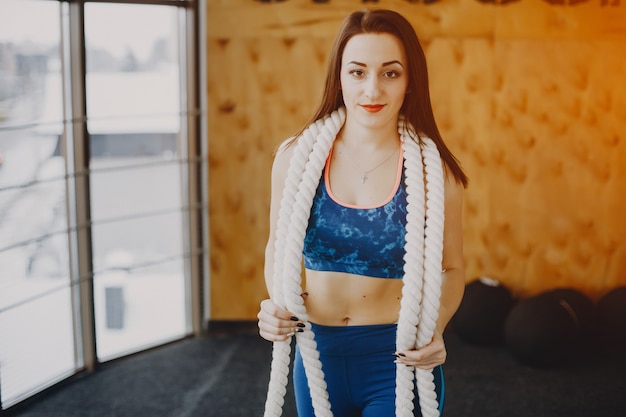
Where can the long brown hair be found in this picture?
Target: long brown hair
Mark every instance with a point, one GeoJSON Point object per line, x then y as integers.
{"type": "Point", "coordinates": [417, 107]}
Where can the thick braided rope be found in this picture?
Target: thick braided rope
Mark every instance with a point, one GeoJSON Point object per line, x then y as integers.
{"type": "Point", "coordinates": [281, 351]}
{"type": "Point", "coordinates": [303, 176]}
{"type": "Point", "coordinates": [422, 280]}
{"type": "Point", "coordinates": [433, 256]}
{"type": "Point", "coordinates": [302, 180]}
{"type": "Point", "coordinates": [293, 260]}
{"type": "Point", "coordinates": [410, 303]}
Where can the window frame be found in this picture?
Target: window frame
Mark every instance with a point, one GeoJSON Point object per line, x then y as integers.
{"type": "Point", "coordinates": [195, 228]}
{"type": "Point", "coordinates": [75, 141]}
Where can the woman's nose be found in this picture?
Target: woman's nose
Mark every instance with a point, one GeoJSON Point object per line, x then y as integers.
{"type": "Point", "coordinates": [372, 88]}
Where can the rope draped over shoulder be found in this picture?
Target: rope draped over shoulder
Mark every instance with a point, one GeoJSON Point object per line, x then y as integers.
{"type": "Point", "coordinates": [421, 291]}
{"type": "Point", "coordinates": [303, 176]}
{"type": "Point", "coordinates": [422, 271]}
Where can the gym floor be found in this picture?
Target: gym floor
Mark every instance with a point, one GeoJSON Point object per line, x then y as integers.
{"type": "Point", "coordinates": [226, 375]}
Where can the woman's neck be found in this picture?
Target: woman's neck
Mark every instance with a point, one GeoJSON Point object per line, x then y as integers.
{"type": "Point", "coordinates": [369, 138]}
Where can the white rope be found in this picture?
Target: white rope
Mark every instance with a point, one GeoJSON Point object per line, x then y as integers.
{"type": "Point", "coordinates": [294, 242]}
{"type": "Point", "coordinates": [421, 289]}
{"type": "Point", "coordinates": [303, 176]}
{"type": "Point", "coordinates": [410, 303]}
{"type": "Point", "coordinates": [433, 244]}
{"type": "Point", "coordinates": [281, 350]}
{"type": "Point", "coordinates": [422, 270]}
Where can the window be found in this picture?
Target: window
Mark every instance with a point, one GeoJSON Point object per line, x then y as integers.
{"type": "Point", "coordinates": [137, 239]}
{"type": "Point", "coordinates": [36, 317]}
{"type": "Point", "coordinates": [100, 250]}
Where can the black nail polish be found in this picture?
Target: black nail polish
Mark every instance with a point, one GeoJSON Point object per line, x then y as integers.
{"type": "Point", "coordinates": [294, 318]}
{"type": "Point", "coordinates": [402, 354]}
{"type": "Point", "coordinates": [300, 324]}
{"type": "Point", "coordinates": [299, 330]}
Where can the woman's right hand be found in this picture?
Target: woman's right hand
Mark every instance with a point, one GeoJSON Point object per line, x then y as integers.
{"type": "Point", "coordinates": [277, 324]}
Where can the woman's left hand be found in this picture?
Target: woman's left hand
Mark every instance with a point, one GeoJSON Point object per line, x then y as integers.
{"type": "Point", "coordinates": [428, 357]}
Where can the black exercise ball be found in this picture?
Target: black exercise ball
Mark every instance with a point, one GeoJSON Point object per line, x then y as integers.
{"type": "Point", "coordinates": [551, 329]}
{"type": "Point", "coordinates": [612, 316]}
{"type": "Point", "coordinates": [480, 317]}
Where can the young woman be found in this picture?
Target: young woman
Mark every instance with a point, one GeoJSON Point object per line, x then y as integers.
{"type": "Point", "coordinates": [368, 272]}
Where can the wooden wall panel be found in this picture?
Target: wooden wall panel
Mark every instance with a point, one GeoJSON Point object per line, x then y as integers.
{"type": "Point", "coordinates": [528, 94]}
{"type": "Point", "coordinates": [250, 18]}
{"type": "Point", "coordinates": [462, 85]}
{"type": "Point", "coordinates": [561, 19]}
{"type": "Point", "coordinates": [260, 92]}
{"type": "Point", "coordinates": [559, 202]}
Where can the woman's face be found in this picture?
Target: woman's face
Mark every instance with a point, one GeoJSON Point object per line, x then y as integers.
{"type": "Point", "coordinates": [374, 78]}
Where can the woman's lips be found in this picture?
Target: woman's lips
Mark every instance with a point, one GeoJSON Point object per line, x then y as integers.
{"type": "Point", "coordinates": [372, 108]}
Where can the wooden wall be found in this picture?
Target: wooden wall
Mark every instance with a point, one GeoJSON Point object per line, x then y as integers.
{"type": "Point", "coordinates": [529, 94]}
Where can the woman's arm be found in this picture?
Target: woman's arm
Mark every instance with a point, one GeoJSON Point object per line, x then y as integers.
{"type": "Point", "coordinates": [279, 175]}
{"type": "Point", "coordinates": [453, 276]}
{"type": "Point", "coordinates": [276, 323]}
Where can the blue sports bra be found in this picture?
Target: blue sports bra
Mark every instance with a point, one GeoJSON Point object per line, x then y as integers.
{"type": "Point", "coordinates": [357, 240]}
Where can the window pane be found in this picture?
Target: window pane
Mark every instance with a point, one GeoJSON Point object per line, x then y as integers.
{"type": "Point", "coordinates": [135, 213]}
{"type": "Point", "coordinates": [137, 307]}
{"type": "Point", "coordinates": [133, 119]}
{"type": "Point", "coordinates": [132, 76]}
{"type": "Point", "coordinates": [36, 320]}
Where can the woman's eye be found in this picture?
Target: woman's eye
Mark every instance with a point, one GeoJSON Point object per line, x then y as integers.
{"type": "Point", "coordinates": [391, 74]}
{"type": "Point", "coordinates": [357, 73]}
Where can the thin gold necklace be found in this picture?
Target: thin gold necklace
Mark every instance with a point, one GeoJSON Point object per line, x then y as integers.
{"type": "Point", "coordinates": [364, 175]}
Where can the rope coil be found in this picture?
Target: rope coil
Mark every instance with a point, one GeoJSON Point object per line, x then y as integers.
{"type": "Point", "coordinates": [422, 271]}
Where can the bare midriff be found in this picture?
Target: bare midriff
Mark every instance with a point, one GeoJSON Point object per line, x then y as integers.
{"type": "Point", "coordinates": [341, 299]}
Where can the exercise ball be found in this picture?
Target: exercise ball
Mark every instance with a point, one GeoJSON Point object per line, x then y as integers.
{"type": "Point", "coordinates": [550, 329]}
{"type": "Point", "coordinates": [612, 316]}
{"type": "Point", "coordinates": [480, 317]}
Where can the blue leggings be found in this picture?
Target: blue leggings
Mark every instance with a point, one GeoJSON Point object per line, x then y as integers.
{"type": "Point", "coordinates": [359, 370]}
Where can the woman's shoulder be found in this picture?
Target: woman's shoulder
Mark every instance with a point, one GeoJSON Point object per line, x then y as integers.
{"type": "Point", "coordinates": [282, 156]}
{"type": "Point", "coordinates": [285, 145]}
{"type": "Point", "coordinates": [453, 186]}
